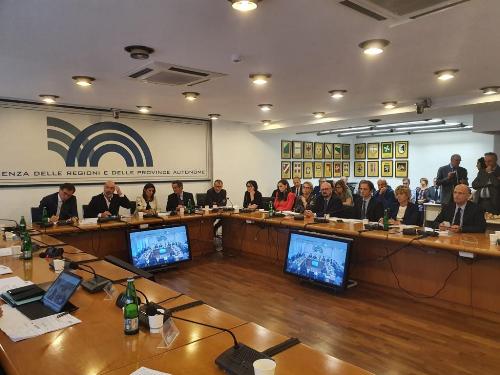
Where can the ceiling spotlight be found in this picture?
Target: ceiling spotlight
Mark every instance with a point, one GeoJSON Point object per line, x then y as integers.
{"type": "Point", "coordinates": [83, 80]}
{"type": "Point", "coordinates": [244, 5]}
{"type": "Point", "coordinates": [491, 90]}
{"type": "Point", "coordinates": [144, 108]}
{"type": "Point", "coordinates": [49, 99]}
{"type": "Point", "coordinates": [265, 107]}
{"type": "Point", "coordinates": [260, 78]}
{"type": "Point", "coordinates": [445, 75]}
{"type": "Point", "coordinates": [266, 122]}
{"type": "Point", "coordinates": [319, 114]}
{"type": "Point", "coordinates": [214, 116]}
{"type": "Point", "coordinates": [389, 105]}
{"type": "Point", "coordinates": [139, 52]}
{"type": "Point", "coordinates": [337, 94]}
{"type": "Point", "coordinates": [191, 96]}
{"type": "Point", "coordinates": [373, 46]}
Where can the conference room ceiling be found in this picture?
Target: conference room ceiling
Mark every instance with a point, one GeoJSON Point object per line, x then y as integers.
{"type": "Point", "coordinates": [309, 47]}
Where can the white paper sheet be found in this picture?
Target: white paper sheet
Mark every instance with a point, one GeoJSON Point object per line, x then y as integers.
{"type": "Point", "coordinates": [12, 283]}
{"type": "Point", "coordinates": [148, 371]}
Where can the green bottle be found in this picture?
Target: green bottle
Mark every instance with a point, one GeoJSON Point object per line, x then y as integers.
{"type": "Point", "coordinates": [189, 207]}
{"type": "Point", "coordinates": [22, 225]}
{"type": "Point", "coordinates": [27, 247]}
{"type": "Point", "coordinates": [131, 310]}
{"type": "Point", "coordinates": [45, 216]}
{"type": "Point", "coordinates": [386, 219]}
{"type": "Point", "coordinates": [271, 209]}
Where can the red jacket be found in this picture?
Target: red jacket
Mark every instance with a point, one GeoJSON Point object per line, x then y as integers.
{"type": "Point", "coordinates": [284, 205]}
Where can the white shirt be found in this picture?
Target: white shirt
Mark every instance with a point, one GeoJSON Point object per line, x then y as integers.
{"type": "Point", "coordinates": [59, 205]}
{"type": "Point", "coordinates": [401, 213]}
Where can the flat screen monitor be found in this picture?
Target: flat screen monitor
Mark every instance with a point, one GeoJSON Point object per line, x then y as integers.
{"type": "Point", "coordinates": [318, 258]}
{"type": "Point", "coordinates": [155, 248]}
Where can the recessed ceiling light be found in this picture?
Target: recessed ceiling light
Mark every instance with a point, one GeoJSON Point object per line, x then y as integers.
{"type": "Point", "coordinates": [445, 75]}
{"type": "Point", "coordinates": [214, 116]}
{"type": "Point", "coordinates": [144, 108]}
{"type": "Point", "coordinates": [265, 107]}
{"type": "Point", "coordinates": [266, 122]}
{"type": "Point", "coordinates": [319, 114]}
{"type": "Point", "coordinates": [244, 5]}
{"type": "Point", "coordinates": [373, 46]}
{"type": "Point", "coordinates": [191, 96]}
{"type": "Point", "coordinates": [83, 80]}
{"type": "Point", "coordinates": [390, 105]}
{"type": "Point", "coordinates": [490, 90]}
{"type": "Point", "coordinates": [49, 99]}
{"type": "Point", "coordinates": [260, 78]}
{"type": "Point", "coordinates": [139, 52]}
{"type": "Point", "coordinates": [337, 94]}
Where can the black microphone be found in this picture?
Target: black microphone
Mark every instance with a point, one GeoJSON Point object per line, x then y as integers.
{"type": "Point", "coordinates": [232, 205]}
{"type": "Point", "coordinates": [94, 285]}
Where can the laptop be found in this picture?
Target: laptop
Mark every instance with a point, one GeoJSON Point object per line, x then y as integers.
{"type": "Point", "coordinates": [55, 298]}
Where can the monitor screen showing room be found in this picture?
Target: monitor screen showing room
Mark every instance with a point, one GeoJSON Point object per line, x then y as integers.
{"type": "Point", "coordinates": [319, 258]}
{"type": "Point", "coordinates": [159, 247]}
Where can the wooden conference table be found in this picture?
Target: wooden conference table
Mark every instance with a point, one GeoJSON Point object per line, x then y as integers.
{"type": "Point", "coordinates": [422, 267]}
{"type": "Point", "coordinates": [98, 345]}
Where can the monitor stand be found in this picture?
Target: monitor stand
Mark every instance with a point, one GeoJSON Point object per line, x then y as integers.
{"type": "Point", "coordinates": [163, 269]}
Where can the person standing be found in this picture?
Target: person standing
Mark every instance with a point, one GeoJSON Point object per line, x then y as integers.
{"type": "Point", "coordinates": [422, 194]}
{"type": "Point", "coordinates": [434, 192]}
{"type": "Point", "coordinates": [487, 184]}
{"type": "Point", "coordinates": [449, 176]}
{"type": "Point", "coordinates": [297, 187]}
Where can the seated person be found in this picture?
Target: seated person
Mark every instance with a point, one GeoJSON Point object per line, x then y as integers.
{"type": "Point", "coordinates": [109, 202]}
{"type": "Point", "coordinates": [216, 196]}
{"type": "Point", "coordinates": [178, 198]}
{"type": "Point", "coordinates": [147, 201]}
{"type": "Point", "coordinates": [61, 205]}
{"type": "Point", "coordinates": [307, 200]}
{"type": "Point", "coordinates": [284, 198]}
{"type": "Point", "coordinates": [344, 193]}
{"type": "Point", "coordinates": [366, 207]}
{"type": "Point", "coordinates": [253, 197]}
{"type": "Point", "coordinates": [326, 203]}
{"type": "Point", "coordinates": [385, 194]}
{"type": "Point", "coordinates": [297, 186]}
{"type": "Point", "coordinates": [404, 212]}
{"type": "Point", "coordinates": [316, 190]}
{"type": "Point", "coordinates": [462, 214]}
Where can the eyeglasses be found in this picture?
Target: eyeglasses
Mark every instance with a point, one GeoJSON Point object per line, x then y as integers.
{"type": "Point", "coordinates": [249, 185]}
{"type": "Point", "coordinates": [218, 186]}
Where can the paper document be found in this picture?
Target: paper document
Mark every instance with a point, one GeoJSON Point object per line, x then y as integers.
{"type": "Point", "coordinates": [5, 251]}
{"type": "Point", "coordinates": [148, 371]}
{"type": "Point", "coordinates": [11, 283]}
{"type": "Point", "coordinates": [19, 327]}
{"type": "Point", "coordinates": [90, 220]}
{"type": "Point", "coordinates": [5, 270]}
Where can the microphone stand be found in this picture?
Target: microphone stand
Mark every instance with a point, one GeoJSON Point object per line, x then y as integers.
{"type": "Point", "coordinates": [94, 285]}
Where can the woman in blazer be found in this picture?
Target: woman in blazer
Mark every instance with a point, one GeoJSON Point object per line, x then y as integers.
{"type": "Point", "coordinates": [147, 201]}
{"type": "Point", "coordinates": [284, 198]}
{"type": "Point", "coordinates": [404, 212]}
{"type": "Point", "coordinates": [253, 197]}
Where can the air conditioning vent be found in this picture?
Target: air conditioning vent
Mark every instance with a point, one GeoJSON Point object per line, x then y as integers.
{"type": "Point", "coordinates": [399, 11]}
{"type": "Point", "coordinates": [172, 75]}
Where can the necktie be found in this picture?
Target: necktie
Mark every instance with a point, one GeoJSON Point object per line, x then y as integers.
{"type": "Point", "coordinates": [363, 210]}
{"type": "Point", "coordinates": [59, 205]}
{"type": "Point", "coordinates": [458, 214]}
{"type": "Point", "coordinates": [148, 206]}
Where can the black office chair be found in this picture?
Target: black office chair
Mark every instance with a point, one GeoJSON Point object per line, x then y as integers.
{"type": "Point", "coordinates": [352, 186]}
{"type": "Point", "coordinates": [265, 202]}
{"type": "Point", "coordinates": [36, 215]}
{"type": "Point", "coordinates": [201, 199]}
{"type": "Point", "coordinates": [133, 206]}
{"type": "Point", "coordinates": [85, 210]}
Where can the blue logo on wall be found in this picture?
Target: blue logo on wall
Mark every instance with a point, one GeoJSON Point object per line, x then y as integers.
{"type": "Point", "coordinates": [85, 148]}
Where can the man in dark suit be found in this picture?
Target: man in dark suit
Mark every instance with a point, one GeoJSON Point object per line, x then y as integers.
{"type": "Point", "coordinates": [435, 192]}
{"type": "Point", "coordinates": [178, 198]}
{"type": "Point", "coordinates": [326, 203]}
{"type": "Point", "coordinates": [108, 203]}
{"type": "Point", "coordinates": [385, 194]}
{"type": "Point", "coordinates": [462, 215]}
{"type": "Point", "coordinates": [449, 176]}
{"type": "Point", "coordinates": [61, 205]}
{"type": "Point", "coordinates": [216, 195]}
{"type": "Point", "coordinates": [366, 206]}
{"type": "Point", "coordinates": [297, 187]}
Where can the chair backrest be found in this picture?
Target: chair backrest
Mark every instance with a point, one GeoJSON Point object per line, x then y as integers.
{"type": "Point", "coordinates": [133, 206]}
{"type": "Point", "coordinates": [36, 215]}
{"type": "Point", "coordinates": [85, 210]}
{"type": "Point", "coordinates": [201, 199]}
{"type": "Point", "coordinates": [352, 186]}
{"type": "Point", "coordinates": [265, 202]}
